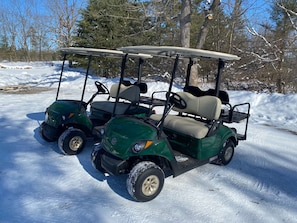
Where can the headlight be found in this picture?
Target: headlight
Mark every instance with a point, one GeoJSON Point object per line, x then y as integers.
{"type": "Point", "coordinates": [139, 146]}
{"type": "Point", "coordinates": [102, 131]}
{"type": "Point", "coordinates": [46, 117]}
{"type": "Point", "coordinates": [95, 151]}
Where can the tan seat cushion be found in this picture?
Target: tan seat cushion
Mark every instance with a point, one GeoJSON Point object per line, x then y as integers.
{"type": "Point", "coordinates": [130, 93]}
{"type": "Point", "coordinates": [185, 125]}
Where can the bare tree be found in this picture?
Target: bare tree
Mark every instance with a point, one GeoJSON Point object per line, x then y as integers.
{"type": "Point", "coordinates": [278, 44]}
{"type": "Point", "coordinates": [209, 12]}
{"type": "Point", "coordinates": [64, 15]}
{"type": "Point", "coordinates": [236, 23]}
{"type": "Point", "coordinates": [9, 32]}
{"type": "Point", "coordinates": [185, 23]}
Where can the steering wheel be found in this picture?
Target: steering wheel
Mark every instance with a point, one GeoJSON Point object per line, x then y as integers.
{"type": "Point", "coordinates": [177, 101]}
{"type": "Point", "coordinates": [101, 88]}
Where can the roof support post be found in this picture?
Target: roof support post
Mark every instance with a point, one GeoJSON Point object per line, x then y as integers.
{"type": "Point", "coordinates": [167, 107]}
{"type": "Point", "coordinates": [123, 66]}
{"type": "Point", "coordinates": [86, 78]}
{"type": "Point", "coordinates": [188, 74]}
{"type": "Point", "coordinates": [219, 75]}
{"type": "Point", "coordinates": [64, 58]}
{"type": "Point", "coordinates": [140, 65]}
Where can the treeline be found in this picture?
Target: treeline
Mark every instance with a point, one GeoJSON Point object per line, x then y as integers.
{"type": "Point", "coordinates": [34, 30]}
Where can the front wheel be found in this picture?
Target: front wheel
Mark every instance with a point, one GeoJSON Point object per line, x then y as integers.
{"type": "Point", "coordinates": [96, 158]}
{"type": "Point", "coordinates": [145, 181]}
{"type": "Point", "coordinates": [227, 153]}
{"type": "Point", "coordinates": [72, 141]}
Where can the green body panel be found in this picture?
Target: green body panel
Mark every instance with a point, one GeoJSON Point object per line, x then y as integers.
{"type": "Point", "coordinates": [123, 132]}
{"type": "Point", "coordinates": [200, 148]}
{"type": "Point", "coordinates": [211, 146]}
{"type": "Point", "coordinates": [60, 113]}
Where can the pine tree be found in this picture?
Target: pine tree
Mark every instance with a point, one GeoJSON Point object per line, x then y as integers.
{"type": "Point", "coordinates": [109, 24]}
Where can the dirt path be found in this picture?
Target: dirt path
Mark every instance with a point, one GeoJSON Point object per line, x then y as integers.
{"type": "Point", "coordinates": [22, 89]}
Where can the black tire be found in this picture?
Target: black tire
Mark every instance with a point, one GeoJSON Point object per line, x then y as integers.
{"type": "Point", "coordinates": [72, 141]}
{"type": "Point", "coordinates": [145, 181]}
{"type": "Point", "coordinates": [227, 153]}
{"type": "Point", "coordinates": [96, 159]}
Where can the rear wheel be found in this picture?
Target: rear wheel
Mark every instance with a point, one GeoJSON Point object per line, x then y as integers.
{"type": "Point", "coordinates": [145, 181]}
{"type": "Point", "coordinates": [227, 153]}
{"type": "Point", "coordinates": [72, 141]}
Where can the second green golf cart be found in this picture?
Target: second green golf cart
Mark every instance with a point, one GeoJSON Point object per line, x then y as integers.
{"type": "Point", "coordinates": [69, 122]}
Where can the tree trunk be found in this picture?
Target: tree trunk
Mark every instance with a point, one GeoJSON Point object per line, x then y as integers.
{"type": "Point", "coordinates": [235, 19]}
{"type": "Point", "coordinates": [209, 14]}
{"type": "Point", "coordinates": [185, 28]}
{"type": "Point", "coordinates": [185, 23]}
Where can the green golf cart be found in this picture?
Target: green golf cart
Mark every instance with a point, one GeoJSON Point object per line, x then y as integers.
{"type": "Point", "coordinates": [69, 122]}
{"type": "Point", "coordinates": [192, 130]}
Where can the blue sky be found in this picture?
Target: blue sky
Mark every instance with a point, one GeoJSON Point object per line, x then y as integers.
{"type": "Point", "coordinates": [257, 10]}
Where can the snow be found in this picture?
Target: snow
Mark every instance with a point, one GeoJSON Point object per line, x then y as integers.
{"type": "Point", "coordinates": [40, 184]}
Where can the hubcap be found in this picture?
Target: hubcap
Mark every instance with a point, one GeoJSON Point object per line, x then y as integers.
{"type": "Point", "coordinates": [228, 153]}
{"type": "Point", "coordinates": [150, 185]}
{"type": "Point", "coordinates": [75, 143]}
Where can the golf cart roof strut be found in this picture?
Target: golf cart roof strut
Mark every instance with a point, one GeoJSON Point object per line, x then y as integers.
{"type": "Point", "coordinates": [86, 77]}
{"type": "Point", "coordinates": [64, 58]}
{"type": "Point", "coordinates": [190, 64]}
{"type": "Point", "coordinates": [219, 75]}
{"type": "Point", "coordinates": [140, 63]}
{"type": "Point", "coordinates": [166, 109]}
{"type": "Point", "coordinates": [121, 81]}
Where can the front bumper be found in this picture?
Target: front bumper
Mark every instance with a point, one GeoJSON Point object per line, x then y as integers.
{"type": "Point", "coordinates": [113, 165]}
{"type": "Point", "coordinates": [48, 132]}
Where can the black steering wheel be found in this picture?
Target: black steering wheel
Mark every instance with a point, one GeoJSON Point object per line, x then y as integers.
{"type": "Point", "coordinates": [101, 88]}
{"type": "Point", "coordinates": [176, 100]}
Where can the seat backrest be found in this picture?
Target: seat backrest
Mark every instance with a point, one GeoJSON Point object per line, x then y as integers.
{"type": "Point", "coordinates": [130, 93]}
{"type": "Point", "coordinates": [208, 107]}
{"type": "Point", "coordinates": [196, 91]}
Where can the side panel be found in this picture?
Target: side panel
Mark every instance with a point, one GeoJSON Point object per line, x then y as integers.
{"type": "Point", "coordinates": [200, 149]}
{"type": "Point", "coordinates": [210, 146]}
{"type": "Point", "coordinates": [183, 143]}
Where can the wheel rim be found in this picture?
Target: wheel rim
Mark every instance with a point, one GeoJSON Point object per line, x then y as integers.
{"type": "Point", "coordinates": [228, 153]}
{"type": "Point", "coordinates": [150, 185]}
{"type": "Point", "coordinates": [75, 143]}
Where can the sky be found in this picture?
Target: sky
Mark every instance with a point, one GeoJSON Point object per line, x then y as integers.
{"type": "Point", "coordinates": [256, 11]}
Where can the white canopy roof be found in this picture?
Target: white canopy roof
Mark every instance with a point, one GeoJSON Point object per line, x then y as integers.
{"type": "Point", "coordinates": [101, 52]}
{"type": "Point", "coordinates": [170, 51]}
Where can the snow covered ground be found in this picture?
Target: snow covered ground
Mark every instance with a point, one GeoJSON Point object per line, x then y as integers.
{"type": "Point", "coordinates": [39, 184]}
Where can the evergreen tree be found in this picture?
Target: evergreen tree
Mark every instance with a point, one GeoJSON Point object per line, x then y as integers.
{"type": "Point", "coordinates": [110, 24]}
